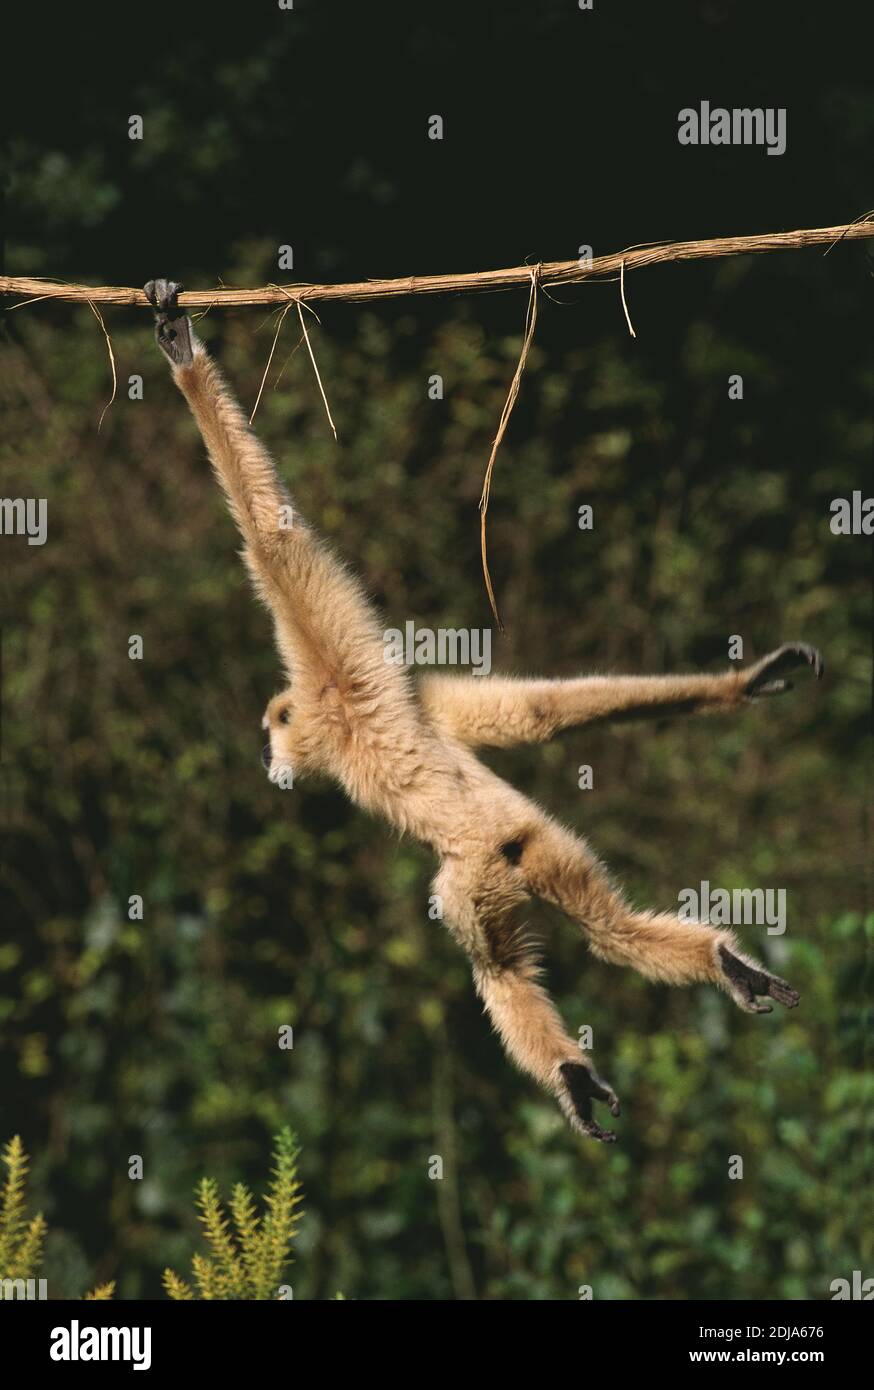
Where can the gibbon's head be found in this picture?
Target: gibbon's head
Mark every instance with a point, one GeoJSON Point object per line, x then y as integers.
{"type": "Point", "coordinates": [277, 754]}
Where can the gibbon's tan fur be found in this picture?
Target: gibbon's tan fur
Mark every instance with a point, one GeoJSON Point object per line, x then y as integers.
{"type": "Point", "coordinates": [403, 750]}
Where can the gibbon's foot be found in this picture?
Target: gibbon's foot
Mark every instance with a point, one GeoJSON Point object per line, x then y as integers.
{"type": "Point", "coordinates": [760, 681]}
{"type": "Point", "coordinates": [746, 981]}
{"type": "Point", "coordinates": [584, 1086]}
{"type": "Point", "coordinates": [172, 329]}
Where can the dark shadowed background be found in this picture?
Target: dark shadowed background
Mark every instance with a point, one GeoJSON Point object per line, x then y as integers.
{"type": "Point", "coordinates": [309, 128]}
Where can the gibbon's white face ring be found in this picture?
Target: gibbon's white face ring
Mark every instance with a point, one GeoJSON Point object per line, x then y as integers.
{"type": "Point", "coordinates": [277, 718]}
{"type": "Point", "coordinates": [279, 769]}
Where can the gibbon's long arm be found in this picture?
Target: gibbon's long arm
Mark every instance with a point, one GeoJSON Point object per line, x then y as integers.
{"type": "Point", "coordinates": [322, 618]}
{"type": "Point", "coordinates": [500, 711]}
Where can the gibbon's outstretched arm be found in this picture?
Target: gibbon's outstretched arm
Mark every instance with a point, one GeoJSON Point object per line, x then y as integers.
{"type": "Point", "coordinates": [324, 624]}
{"type": "Point", "coordinates": [500, 711]}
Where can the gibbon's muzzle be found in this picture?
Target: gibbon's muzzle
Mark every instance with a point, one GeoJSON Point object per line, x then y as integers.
{"type": "Point", "coordinates": [266, 757]}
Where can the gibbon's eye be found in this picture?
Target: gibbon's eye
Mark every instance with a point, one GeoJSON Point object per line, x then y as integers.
{"type": "Point", "coordinates": [284, 716]}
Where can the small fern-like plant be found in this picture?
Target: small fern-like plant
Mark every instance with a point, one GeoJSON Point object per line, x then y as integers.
{"type": "Point", "coordinates": [247, 1257]}
{"type": "Point", "coordinates": [21, 1236]}
{"type": "Point", "coordinates": [249, 1254]}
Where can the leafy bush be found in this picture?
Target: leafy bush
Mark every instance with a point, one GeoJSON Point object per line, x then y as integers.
{"type": "Point", "coordinates": [246, 1262]}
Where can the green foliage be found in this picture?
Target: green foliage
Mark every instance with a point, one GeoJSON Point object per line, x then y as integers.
{"type": "Point", "coordinates": [143, 777]}
{"type": "Point", "coordinates": [250, 1256]}
{"type": "Point", "coordinates": [247, 1260]}
{"type": "Point", "coordinates": [264, 909]}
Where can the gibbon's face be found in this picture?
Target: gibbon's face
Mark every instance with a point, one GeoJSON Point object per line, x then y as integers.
{"type": "Point", "coordinates": [277, 753]}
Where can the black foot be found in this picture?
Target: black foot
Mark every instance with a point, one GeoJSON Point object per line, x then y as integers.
{"type": "Point", "coordinates": [761, 679]}
{"type": "Point", "coordinates": [172, 328]}
{"type": "Point", "coordinates": [746, 981]}
{"type": "Point", "coordinates": [584, 1086]}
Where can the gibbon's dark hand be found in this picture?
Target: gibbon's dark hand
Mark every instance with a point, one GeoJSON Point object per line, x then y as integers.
{"type": "Point", "coordinates": [746, 981]}
{"type": "Point", "coordinates": [584, 1086]}
{"type": "Point", "coordinates": [761, 682]}
{"type": "Point", "coordinates": [172, 328]}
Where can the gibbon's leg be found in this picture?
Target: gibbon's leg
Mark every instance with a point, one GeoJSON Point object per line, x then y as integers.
{"type": "Point", "coordinates": [500, 711]}
{"type": "Point", "coordinates": [479, 902]}
{"type": "Point", "coordinates": [561, 869]}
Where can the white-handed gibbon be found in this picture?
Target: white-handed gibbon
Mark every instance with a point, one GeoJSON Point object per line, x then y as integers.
{"type": "Point", "coordinates": [404, 749]}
